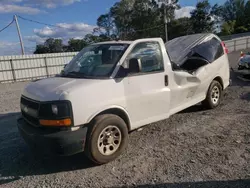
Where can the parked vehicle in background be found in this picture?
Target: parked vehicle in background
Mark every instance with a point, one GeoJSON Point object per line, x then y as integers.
{"type": "Point", "coordinates": [244, 63]}
{"type": "Point", "coordinates": [112, 88]}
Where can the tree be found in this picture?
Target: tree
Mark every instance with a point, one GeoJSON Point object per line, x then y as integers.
{"type": "Point", "coordinates": [241, 29]}
{"type": "Point", "coordinates": [170, 8]}
{"type": "Point", "coordinates": [75, 45]}
{"type": "Point", "coordinates": [121, 13]}
{"type": "Point", "coordinates": [229, 10]}
{"type": "Point", "coordinates": [247, 15]}
{"type": "Point", "coordinates": [106, 22]}
{"type": "Point", "coordinates": [235, 13]}
{"type": "Point", "coordinates": [201, 18]}
{"type": "Point", "coordinates": [54, 45]}
{"type": "Point", "coordinates": [135, 19]}
{"type": "Point", "coordinates": [41, 49]}
{"type": "Point", "coordinates": [240, 16]}
{"type": "Point", "coordinates": [228, 28]}
{"type": "Point", "coordinates": [50, 46]}
{"type": "Point", "coordinates": [180, 27]}
{"type": "Point", "coordinates": [89, 38]}
{"type": "Point", "coordinates": [146, 14]}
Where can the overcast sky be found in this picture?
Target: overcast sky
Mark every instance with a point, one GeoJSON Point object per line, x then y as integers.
{"type": "Point", "coordinates": [76, 18]}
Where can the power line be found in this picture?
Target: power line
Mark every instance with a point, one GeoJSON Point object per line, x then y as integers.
{"type": "Point", "coordinates": [7, 26]}
{"type": "Point", "coordinates": [51, 25]}
{"type": "Point", "coordinates": [149, 28]}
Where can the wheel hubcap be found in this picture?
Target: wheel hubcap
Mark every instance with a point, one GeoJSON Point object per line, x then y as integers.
{"type": "Point", "coordinates": [215, 95]}
{"type": "Point", "coordinates": [109, 140]}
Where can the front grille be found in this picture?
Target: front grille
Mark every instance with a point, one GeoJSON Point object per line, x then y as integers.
{"type": "Point", "coordinates": [31, 120]}
{"type": "Point", "coordinates": [30, 116]}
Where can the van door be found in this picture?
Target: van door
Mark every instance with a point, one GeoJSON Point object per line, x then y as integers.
{"type": "Point", "coordinates": [147, 92]}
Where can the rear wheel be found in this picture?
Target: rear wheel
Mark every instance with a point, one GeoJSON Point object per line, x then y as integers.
{"type": "Point", "coordinates": [107, 138]}
{"type": "Point", "coordinates": [214, 95]}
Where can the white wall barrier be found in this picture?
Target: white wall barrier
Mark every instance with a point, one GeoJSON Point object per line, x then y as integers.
{"type": "Point", "coordinates": [238, 44]}
{"type": "Point", "coordinates": [28, 67]}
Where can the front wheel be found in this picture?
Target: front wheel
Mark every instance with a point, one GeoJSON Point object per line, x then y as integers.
{"type": "Point", "coordinates": [214, 95]}
{"type": "Point", "coordinates": [107, 138]}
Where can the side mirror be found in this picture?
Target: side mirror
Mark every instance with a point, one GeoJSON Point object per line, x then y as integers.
{"type": "Point", "coordinates": [64, 65]}
{"type": "Point", "coordinates": [134, 65]}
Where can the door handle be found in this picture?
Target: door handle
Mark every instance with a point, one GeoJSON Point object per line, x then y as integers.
{"type": "Point", "coordinates": [166, 80]}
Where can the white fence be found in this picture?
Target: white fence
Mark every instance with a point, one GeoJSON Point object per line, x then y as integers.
{"type": "Point", "coordinates": [28, 67]}
{"type": "Point", "coordinates": [238, 44]}
{"type": "Point", "coordinates": [235, 36]}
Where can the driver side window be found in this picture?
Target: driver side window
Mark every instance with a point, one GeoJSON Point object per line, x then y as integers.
{"type": "Point", "coordinates": [150, 56]}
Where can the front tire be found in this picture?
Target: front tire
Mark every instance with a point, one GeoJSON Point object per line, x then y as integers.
{"type": "Point", "coordinates": [214, 95]}
{"type": "Point", "coordinates": [107, 138]}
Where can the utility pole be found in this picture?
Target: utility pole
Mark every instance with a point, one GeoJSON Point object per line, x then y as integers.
{"type": "Point", "coordinates": [165, 2]}
{"type": "Point", "coordinates": [19, 34]}
{"type": "Point", "coordinates": [166, 22]}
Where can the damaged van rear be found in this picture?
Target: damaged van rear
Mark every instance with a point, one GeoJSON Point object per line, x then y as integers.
{"type": "Point", "coordinates": [111, 88]}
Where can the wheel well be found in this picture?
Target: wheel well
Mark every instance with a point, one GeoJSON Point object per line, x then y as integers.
{"type": "Point", "coordinates": [118, 112]}
{"type": "Point", "coordinates": [219, 79]}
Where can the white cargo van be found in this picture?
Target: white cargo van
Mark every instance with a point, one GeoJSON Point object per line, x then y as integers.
{"type": "Point", "coordinates": [112, 88]}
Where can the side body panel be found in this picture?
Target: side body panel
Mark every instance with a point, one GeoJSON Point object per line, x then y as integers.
{"type": "Point", "coordinates": [189, 89]}
{"type": "Point", "coordinates": [147, 95]}
{"type": "Point", "coordinates": [144, 98]}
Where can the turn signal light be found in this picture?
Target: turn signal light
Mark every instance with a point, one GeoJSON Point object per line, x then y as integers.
{"type": "Point", "coordinates": [63, 122]}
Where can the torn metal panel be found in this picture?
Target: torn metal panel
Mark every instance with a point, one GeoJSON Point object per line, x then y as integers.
{"type": "Point", "coordinates": [181, 48]}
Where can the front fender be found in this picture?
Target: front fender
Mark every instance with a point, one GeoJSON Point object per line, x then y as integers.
{"type": "Point", "coordinates": [107, 108]}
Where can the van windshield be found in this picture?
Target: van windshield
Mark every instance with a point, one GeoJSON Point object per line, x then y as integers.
{"type": "Point", "coordinates": [98, 60]}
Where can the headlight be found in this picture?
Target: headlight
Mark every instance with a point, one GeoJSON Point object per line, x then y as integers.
{"type": "Point", "coordinates": [57, 113]}
{"type": "Point", "coordinates": [57, 110]}
{"type": "Point", "coordinates": [54, 109]}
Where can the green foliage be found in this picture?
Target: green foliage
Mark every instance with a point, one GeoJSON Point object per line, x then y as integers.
{"type": "Point", "coordinates": [228, 27]}
{"type": "Point", "coordinates": [247, 14]}
{"type": "Point", "coordinates": [180, 27]}
{"type": "Point", "coordinates": [41, 49]}
{"type": "Point", "coordinates": [75, 45]}
{"type": "Point", "coordinates": [106, 22]}
{"type": "Point", "coordinates": [134, 19]}
{"type": "Point", "coordinates": [126, 20]}
{"type": "Point", "coordinates": [241, 29]}
{"type": "Point", "coordinates": [229, 10]}
{"type": "Point", "coordinates": [235, 15]}
{"type": "Point", "coordinates": [50, 46]}
{"type": "Point", "coordinates": [201, 17]}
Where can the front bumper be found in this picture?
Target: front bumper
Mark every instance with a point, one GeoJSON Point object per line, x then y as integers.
{"type": "Point", "coordinates": [53, 141]}
{"type": "Point", "coordinates": [243, 70]}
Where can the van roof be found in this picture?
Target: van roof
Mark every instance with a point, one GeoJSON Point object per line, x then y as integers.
{"type": "Point", "coordinates": [115, 42]}
{"type": "Point", "coordinates": [178, 48]}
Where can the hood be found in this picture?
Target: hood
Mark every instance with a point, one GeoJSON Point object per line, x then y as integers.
{"type": "Point", "coordinates": [54, 88]}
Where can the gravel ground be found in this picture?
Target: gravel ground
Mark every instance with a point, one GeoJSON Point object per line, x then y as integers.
{"type": "Point", "coordinates": [194, 148]}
